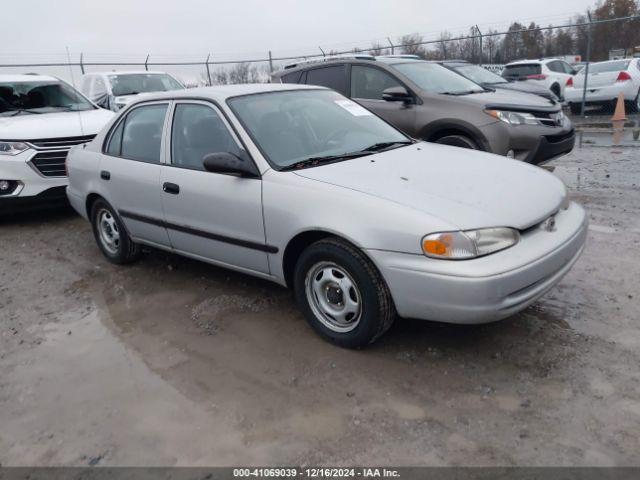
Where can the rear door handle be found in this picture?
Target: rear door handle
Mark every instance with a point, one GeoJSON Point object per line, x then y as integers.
{"type": "Point", "coordinates": [171, 188]}
{"type": "Point", "coordinates": [105, 175]}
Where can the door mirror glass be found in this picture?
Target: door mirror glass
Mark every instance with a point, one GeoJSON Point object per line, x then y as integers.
{"type": "Point", "coordinates": [229, 164]}
{"type": "Point", "coordinates": [397, 94]}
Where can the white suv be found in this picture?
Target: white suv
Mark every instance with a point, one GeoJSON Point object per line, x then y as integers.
{"type": "Point", "coordinates": [41, 118]}
{"type": "Point", "coordinates": [113, 90]}
{"type": "Point", "coordinates": [550, 73]}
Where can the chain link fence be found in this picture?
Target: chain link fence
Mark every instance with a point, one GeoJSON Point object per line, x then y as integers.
{"type": "Point", "coordinates": [582, 41]}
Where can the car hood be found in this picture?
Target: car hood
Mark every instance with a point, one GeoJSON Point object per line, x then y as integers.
{"type": "Point", "coordinates": [510, 100]}
{"type": "Point", "coordinates": [514, 87]}
{"type": "Point", "coordinates": [53, 125]}
{"type": "Point", "coordinates": [466, 188]}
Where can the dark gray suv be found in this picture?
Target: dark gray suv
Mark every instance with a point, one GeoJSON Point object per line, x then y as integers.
{"type": "Point", "coordinates": [429, 102]}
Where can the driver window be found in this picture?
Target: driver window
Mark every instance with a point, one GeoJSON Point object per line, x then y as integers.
{"type": "Point", "coordinates": [369, 83]}
{"type": "Point", "coordinates": [197, 131]}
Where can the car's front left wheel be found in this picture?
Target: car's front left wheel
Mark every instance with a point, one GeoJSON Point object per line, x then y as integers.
{"type": "Point", "coordinates": [342, 294]}
{"type": "Point", "coordinates": [110, 234]}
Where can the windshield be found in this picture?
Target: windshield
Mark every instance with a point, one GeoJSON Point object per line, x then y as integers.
{"type": "Point", "coordinates": [297, 125]}
{"type": "Point", "coordinates": [21, 98]}
{"type": "Point", "coordinates": [435, 78]}
{"type": "Point", "coordinates": [133, 83]}
{"type": "Point", "coordinates": [603, 67]}
{"type": "Point", "coordinates": [479, 74]}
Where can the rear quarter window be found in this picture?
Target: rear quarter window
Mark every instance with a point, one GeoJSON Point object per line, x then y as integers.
{"type": "Point", "coordinates": [293, 77]}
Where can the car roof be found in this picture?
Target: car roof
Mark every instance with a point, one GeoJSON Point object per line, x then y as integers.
{"type": "Point", "coordinates": [524, 62]}
{"type": "Point", "coordinates": [221, 93]}
{"type": "Point", "coordinates": [26, 77]}
{"type": "Point", "coordinates": [128, 72]}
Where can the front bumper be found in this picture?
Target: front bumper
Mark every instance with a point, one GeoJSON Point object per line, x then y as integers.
{"type": "Point", "coordinates": [488, 288]}
{"type": "Point", "coordinates": [54, 197]}
{"type": "Point", "coordinates": [530, 143]}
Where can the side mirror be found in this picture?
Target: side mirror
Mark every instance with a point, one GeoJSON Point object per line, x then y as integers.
{"type": "Point", "coordinates": [397, 94]}
{"type": "Point", "coordinates": [229, 164]}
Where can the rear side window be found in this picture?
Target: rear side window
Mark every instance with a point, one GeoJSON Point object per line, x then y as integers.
{"type": "Point", "coordinates": [603, 67]}
{"type": "Point", "coordinates": [370, 82]}
{"type": "Point", "coordinates": [291, 77]}
{"type": "Point", "coordinates": [521, 70]}
{"type": "Point", "coordinates": [139, 135]}
{"type": "Point", "coordinates": [333, 77]}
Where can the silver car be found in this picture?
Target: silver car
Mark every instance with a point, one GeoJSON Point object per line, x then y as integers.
{"type": "Point", "coordinates": [304, 187]}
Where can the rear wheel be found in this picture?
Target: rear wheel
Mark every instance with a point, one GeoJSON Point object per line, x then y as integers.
{"type": "Point", "coordinates": [576, 108]}
{"type": "Point", "coordinates": [634, 105]}
{"type": "Point", "coordinates": [110, 234]}
{"type": "Point", "coordinates": [342, 295]}
{"type": "Point", "coordinates": [458, 141]}
{"type": "Point", "coordinates": [555, 88]}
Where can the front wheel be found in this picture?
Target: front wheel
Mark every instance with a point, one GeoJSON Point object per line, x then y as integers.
{"type": "Point", "coordinates": [576, 108]}
{"type": "Point", "coordinates": [110, 234]}
{"type": "Point", "coordinates": [634, 105]}
{"type": "Point", "coordinates": [342, 295]}
{"type": "Point", "coordinates": [458, 141]}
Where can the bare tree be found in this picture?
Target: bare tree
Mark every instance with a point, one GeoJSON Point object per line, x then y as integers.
{"type": "Point", "coordinates": [412, 45]}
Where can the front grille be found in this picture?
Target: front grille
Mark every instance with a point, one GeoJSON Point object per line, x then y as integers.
{"type": "Point", "coordinates": [63, 142]}
{"type": "Point", "coordinates": [52, 154]}
{"type": "Point", "coordinates": [51, 164]}
{"type": "Point", "coordinates": [550, 119]}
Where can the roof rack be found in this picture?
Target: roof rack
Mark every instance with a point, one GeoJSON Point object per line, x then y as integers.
{"type": "Point", "coordinates": [330, 58]}
{"type": "Point", "coordinates": [400, 55]}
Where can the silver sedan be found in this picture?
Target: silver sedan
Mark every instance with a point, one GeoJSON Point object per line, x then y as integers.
{"type": "Point", "coordinates": [306, 188]}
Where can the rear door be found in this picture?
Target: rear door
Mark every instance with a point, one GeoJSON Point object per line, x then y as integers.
{"type": "Point", "coordinates": [334, 77]}
{"type": "Point", "coordinates": [367, 84]}
{"type": "Point", "coordinates": [130, 171]}
{"type": "Point", "coordinates": [213, 216]}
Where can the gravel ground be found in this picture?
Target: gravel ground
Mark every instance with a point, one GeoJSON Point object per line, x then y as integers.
{"type": "Point", "coordinates": [173, 362]}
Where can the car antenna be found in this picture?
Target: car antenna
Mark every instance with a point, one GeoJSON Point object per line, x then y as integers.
{"type": "Point", "coordinates": [73, 83]}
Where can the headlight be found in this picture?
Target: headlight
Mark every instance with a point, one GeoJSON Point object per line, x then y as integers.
{"type": "Point", "coordinates": [513, 118]}
{"type": "Point", "coordinates": [469, 244]}
{"type": "Point", "coordinates": [12, 148]}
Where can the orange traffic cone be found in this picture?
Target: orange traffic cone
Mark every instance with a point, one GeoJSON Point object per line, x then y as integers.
{"type": "Point", "coordinates": [618, 119]}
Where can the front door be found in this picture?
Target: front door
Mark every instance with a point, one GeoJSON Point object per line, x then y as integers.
{"type": "Point", "coordinates": [213, 216]}
{"type": "Point", "coordinates": [367, 85]}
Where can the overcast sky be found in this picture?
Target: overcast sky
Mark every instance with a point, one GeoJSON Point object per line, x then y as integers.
{"type": "Point", "coordinates": [245, 28]}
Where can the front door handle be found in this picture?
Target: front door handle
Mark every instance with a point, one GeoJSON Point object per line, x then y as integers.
{"type": "Point", "coordinates": [105, 175]}
{"type": "Point", "coordinates": [171, 188]}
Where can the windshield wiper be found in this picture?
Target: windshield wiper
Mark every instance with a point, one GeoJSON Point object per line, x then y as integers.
{"type": "Point", "coordinates": [464, 92]}
{"type": "Point", "coordinates": [25, 110]}
{"type": "Point", "coordinates": [376, 147]}
{"type": "Point", "coordinates": [314, 161]}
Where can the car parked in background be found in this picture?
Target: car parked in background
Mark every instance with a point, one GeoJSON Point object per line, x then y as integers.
{"type": "Point", "coordinates": [430, 102]}
{"type": "Point", "coordinates": [605, 82]}
{"type": "Point", "coordinates": [549, 73]}
{"type": "Point", "coordinates": [113, 90]}
{"type": "Point", "coordinates": [304, 187]}
{"type": "Point", "coordinates": [488, 79]}
{"type": "Point", "coordinates": [41, 118]}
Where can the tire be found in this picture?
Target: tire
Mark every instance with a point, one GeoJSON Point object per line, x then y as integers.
{"type": "Point", "coordinates": [356, 306]}
{"type": "Point", "coordinates": [557, 91]}
{"type": "Point", "coordinates": [111, 236]}
{"type": "Point", "coordinates": [458, 141]}
{"type": "Point", "coordinates": [576, 108]}
{"type": "Point", "coordinates": [634, 105]}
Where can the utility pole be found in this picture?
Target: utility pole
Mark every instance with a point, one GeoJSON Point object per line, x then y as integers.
{"type": "Point", "coordinates": [392, 48]}
{"type": "Point", "coordinates": [479, 33]}
{"type": "Point", "coordinates": [206, 62]}
{"type": "Point", "coordinates": [586, 68]}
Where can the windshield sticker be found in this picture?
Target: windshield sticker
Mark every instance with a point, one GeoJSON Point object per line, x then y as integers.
{"type": "Point", "coordinates": [353, 108]}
